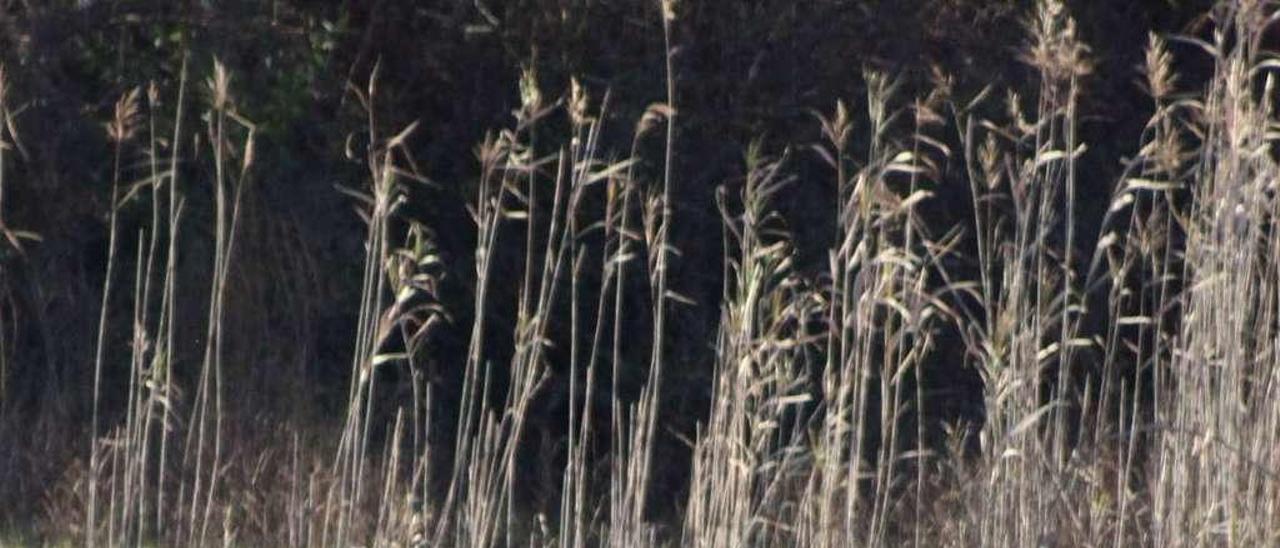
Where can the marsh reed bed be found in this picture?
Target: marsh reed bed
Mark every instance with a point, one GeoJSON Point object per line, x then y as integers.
{"type": "Point", "coordinates": [1128, 367]}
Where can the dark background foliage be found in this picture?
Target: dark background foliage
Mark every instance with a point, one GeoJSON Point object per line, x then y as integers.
{"type": "Point", "coordinates": [746, 70]}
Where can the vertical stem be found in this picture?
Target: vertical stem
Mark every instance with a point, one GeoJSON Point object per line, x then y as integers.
{"type": "Point", "coordinates": [170, 293]}
{"type": "Point", "coordinates": [99, 354]}
{"type": "Point", "coordinates": [660, 299]}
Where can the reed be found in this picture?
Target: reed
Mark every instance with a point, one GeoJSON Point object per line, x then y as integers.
{"type": "Point", "coordinates": [1128, 364]}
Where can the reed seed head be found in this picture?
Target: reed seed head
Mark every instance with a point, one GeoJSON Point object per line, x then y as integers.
{"type": "Point", "coordinates": [124, 122]}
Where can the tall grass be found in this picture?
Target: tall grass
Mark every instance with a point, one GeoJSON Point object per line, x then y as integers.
{"type": "Point", "coordinates": [1031, 294]}
{"type": "Point", "coordinates": [1127, 386]}
{"type": "Point", "coordinates": [1216, 460]}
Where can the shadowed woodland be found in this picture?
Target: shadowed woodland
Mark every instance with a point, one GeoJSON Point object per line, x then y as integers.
{"type": "Point", "coordinates": [639, 272]}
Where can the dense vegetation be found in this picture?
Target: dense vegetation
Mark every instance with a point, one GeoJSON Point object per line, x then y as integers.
{"type": "Point", "coordinates": [586, 272]}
